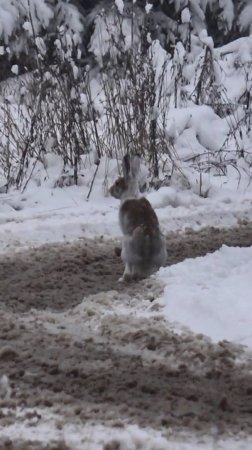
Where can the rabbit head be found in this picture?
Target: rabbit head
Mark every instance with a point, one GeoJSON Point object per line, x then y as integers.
{"type": "Point", "coordinates": [127, 186]}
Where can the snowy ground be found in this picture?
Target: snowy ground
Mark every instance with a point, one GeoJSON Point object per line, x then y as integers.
{"type": "Point", "coordinates": [159, 364]}
{"type": "Point", "coordinates": [46, 215]}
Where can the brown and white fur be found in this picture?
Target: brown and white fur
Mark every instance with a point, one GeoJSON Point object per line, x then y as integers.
{"type": "Point", "coordinates": [143, 246]}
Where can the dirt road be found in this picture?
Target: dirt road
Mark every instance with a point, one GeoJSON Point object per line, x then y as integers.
{"type": "Point", "coordinates": [73, 343]}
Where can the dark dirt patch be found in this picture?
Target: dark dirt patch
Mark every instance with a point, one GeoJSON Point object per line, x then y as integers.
{"type": "Point", "coordinates": [8, 444]}
{"type": "Point", "coordinates": [57, 277]}
{"type": "Point", "coordinates": [198, 243]}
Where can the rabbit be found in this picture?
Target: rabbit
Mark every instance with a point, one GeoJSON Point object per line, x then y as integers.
{"type": "Point", "coordinates": [143, 247]}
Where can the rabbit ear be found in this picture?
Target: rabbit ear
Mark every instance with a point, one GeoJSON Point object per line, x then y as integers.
{"type": "Point", "coordinates": [135, 166]}
{"type": "Point", "coordinates": [126, 166]}
{"type": "Point", "coordinates": [130, 166]}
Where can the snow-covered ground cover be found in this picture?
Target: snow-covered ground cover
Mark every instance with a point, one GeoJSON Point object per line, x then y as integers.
{"type": "Point", "coordinates": [47, 214]}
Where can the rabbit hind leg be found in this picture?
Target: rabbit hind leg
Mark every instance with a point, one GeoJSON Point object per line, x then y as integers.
{"type": "Point", "coordinates": [127, 274]}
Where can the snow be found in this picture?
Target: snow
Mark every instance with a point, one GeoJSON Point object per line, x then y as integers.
{"type": "Point", "coordinates": [5, 389]}
{"type": "Point", "coordinates": [185, 15]}
{"type": "Point", "coordinates": [45, 214]}
{"type": "Point", "coordinates": [207, 40]}
{"type": "Point", "coordinates": [105, 28]}
{"type": "Point", "coordinates": [28, 27]}
{"type": "Point", "coordinates": [216, 286]}
{"type": "Point", "coordinates": [148, 7]}
{"type": "Point", "coordinates": [119, 5]}
{"type": "Point", "coordinates": [245, 18]}
{"type": "Point", "coordinates": [14, 14]}
{"type": "Point", "coordinates": [208, 295]}
{"type": "Point", "coordinates": [40, 45]}
{"type": "Point", "coordinates": [211, 294]}
{"type": "Point", "coordinates": [7, 20]}
{"type": "Point", "coordinates": [14, 69]}
{"type": "Point", "coordinates": [228, 12]}
{"type": "Point", "coordinates": [235, 46]}
{"type": "Point", "coordinates": [98, 437]}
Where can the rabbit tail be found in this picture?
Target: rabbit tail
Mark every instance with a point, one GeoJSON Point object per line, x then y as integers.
{"type": "Point", "coordinates": [143, 252]}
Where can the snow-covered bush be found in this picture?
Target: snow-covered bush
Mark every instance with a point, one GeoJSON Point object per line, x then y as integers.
{"type": "Point", "coordinates": [23, 24]}
{"type": "Point", "coordinates": [187, 111]}
{"type": "Point", "coordinates": [154, 100]}
{"type": "Point", "coordinates": [44, 115]}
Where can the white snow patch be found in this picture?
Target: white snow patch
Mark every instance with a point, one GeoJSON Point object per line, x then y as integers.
{"type": "Point", "coordinates": [211, 294]}
{"type": "Point", "coordinates": [93, 436]}
{"type": "Point", "coordinates": [185, 15]}
{"type": "Point", "coordinates": [27, 26]}
{"type": "Point", "coordinates": [148, 8]}
{"type": "Point", "coordinates": [205, 39]}
{"type": "Point", "coordinates": [5, 389]}
{"type": "Point", "coordinates": [119, 5]}
{"type": "Point", "coordinates": [14, 69]}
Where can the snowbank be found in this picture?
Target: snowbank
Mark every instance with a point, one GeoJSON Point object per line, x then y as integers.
{"type": "Point", "coordinates": [211, 294]}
